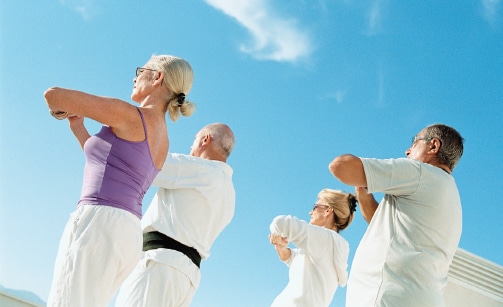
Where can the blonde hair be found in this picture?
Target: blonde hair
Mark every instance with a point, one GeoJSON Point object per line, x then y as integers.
{"type": "Point", "coordinates": [343, 204]}
{"type": "Point", "coordinates": [178, 77]}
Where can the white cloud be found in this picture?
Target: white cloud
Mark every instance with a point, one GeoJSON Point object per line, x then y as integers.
{"type": "Point", "coordinates": [84, 7]}
{"type": "Point", "coordinates": [340, 95]}
{"type": "Point", "coordinates": [491, 10]}
{"type": "Point", "coordinates": [273, 37]}
{"type": "Point", "coordinates": [375, 17]}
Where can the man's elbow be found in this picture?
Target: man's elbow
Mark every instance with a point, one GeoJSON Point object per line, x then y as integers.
{"type": "Point", "coordinates": [348, 169]}
{"type": "Point", "coordinates": [336, 167]}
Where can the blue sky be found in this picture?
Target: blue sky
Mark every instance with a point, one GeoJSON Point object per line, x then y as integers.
{"type": "Point", "coordinates": [299, 83]}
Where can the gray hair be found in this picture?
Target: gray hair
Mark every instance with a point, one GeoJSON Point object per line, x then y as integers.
{"type": "Point", "coordinates": [223, 137]}
{"type": "Point", "coordinates": [178, 77]}
{"type": "Point", "coordinates": [451, 143]}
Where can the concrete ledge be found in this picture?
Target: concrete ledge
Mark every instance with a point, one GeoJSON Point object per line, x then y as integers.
{"type": "Point", "coordinates": [474, 281]}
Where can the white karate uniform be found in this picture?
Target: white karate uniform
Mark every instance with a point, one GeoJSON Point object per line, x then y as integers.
{"type": "Point", "coordinates": [194, 203]}
{"type": "Point", "coordinates": [99, 248]}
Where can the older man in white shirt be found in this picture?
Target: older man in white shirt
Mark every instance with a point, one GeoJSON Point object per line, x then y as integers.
{"type": "Point", "coordinates": [413, 234]}
{"type": "Point", "coordinates": [194, 203]}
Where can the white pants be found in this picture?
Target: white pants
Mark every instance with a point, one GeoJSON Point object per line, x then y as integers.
{"type": "Point", "coordinates": [99, 248]}
{"type": "Point", "coordinates": [155, 284]}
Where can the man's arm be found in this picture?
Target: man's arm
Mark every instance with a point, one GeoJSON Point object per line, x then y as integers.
{"type": "Point", "coordinates": [367, 202]}
{"type": "Point", "coordinates": [184, 171]}
{"type": "Point", "coordinates": [349, 170]}
{"type": "Point", "coordinates": [167, 175]}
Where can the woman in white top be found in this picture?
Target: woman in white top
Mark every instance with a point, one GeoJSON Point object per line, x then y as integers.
{"type": "Point", "coordinates": [319, 263]}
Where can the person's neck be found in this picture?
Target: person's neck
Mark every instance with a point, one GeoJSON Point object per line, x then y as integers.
{"type": "Point", "coordinates": [436, 162]}
{"type": "Point", "coordinates": [445, 168]}
{"type": "Point", "coordinates": [442, 166]}
{"type": "Point", "coordinates": [212, 155]}
{"type": "Point", "coordinates": [332, 227]}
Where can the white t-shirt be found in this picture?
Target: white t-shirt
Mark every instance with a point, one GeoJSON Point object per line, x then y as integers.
{"type": "Point", "coordinates": [317, 265]}
{"type": "Point", "coordinates": [194, 203]}
{"type": "Point", "coordinates": [405, 254]}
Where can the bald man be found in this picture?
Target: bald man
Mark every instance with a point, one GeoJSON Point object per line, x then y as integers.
{"type": "Point", "coordinates": [194, 203]}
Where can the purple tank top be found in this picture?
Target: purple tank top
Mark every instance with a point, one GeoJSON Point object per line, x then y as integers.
{"type": "Point", "coordinates": [118, 172]}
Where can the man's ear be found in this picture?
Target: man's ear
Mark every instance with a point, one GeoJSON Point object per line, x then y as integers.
{"type": "Point", "coordinates": [435, 145]}
{"type": "Point", "coordinates": [206, 139]}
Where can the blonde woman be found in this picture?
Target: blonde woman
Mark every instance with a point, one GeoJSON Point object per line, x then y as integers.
{"type": "Point", "coordinates": [319, 263]}
{"type": "Point", "coordinates": [102, 241]}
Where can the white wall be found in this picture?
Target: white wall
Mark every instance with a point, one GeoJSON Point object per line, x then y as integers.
{"type": "Point", "coordinates": [6, 300]}
{"type": "Point", "coordinates": [474, 281]}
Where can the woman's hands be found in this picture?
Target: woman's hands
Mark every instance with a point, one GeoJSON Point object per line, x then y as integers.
{"type": "Point", "coordinates": [59, 115]}
{"type": "Point", "coordinates": [280, 244]}
{"type": "Point", "coordinates": [278, 241]}
{"type": "Point", "coordinates": [79, 130]}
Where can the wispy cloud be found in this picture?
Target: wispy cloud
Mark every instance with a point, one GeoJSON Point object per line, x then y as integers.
{"type": "Point", "coordinates": [85, 8]}
{"type": "Point", "coordinates": [491, 10]}
{"type": "Point", "coordinates": [375, 16]}
{"type": "Point", "coordinates": [273, 37]}
{"type": "Point", "coordinates": [338, 95]}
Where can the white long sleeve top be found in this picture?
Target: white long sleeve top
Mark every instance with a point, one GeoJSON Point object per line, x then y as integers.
{"type": "Point", "coordinates": [316, 267]}
{"type": "Point", "coordinates": [194, 203]}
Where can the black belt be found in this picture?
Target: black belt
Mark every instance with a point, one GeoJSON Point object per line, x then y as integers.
{"type": "Point", "coordinates": [155, 239]}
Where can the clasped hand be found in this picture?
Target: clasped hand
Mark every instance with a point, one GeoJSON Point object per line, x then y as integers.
{"type": "Point", "coordinates": [278, 240]}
